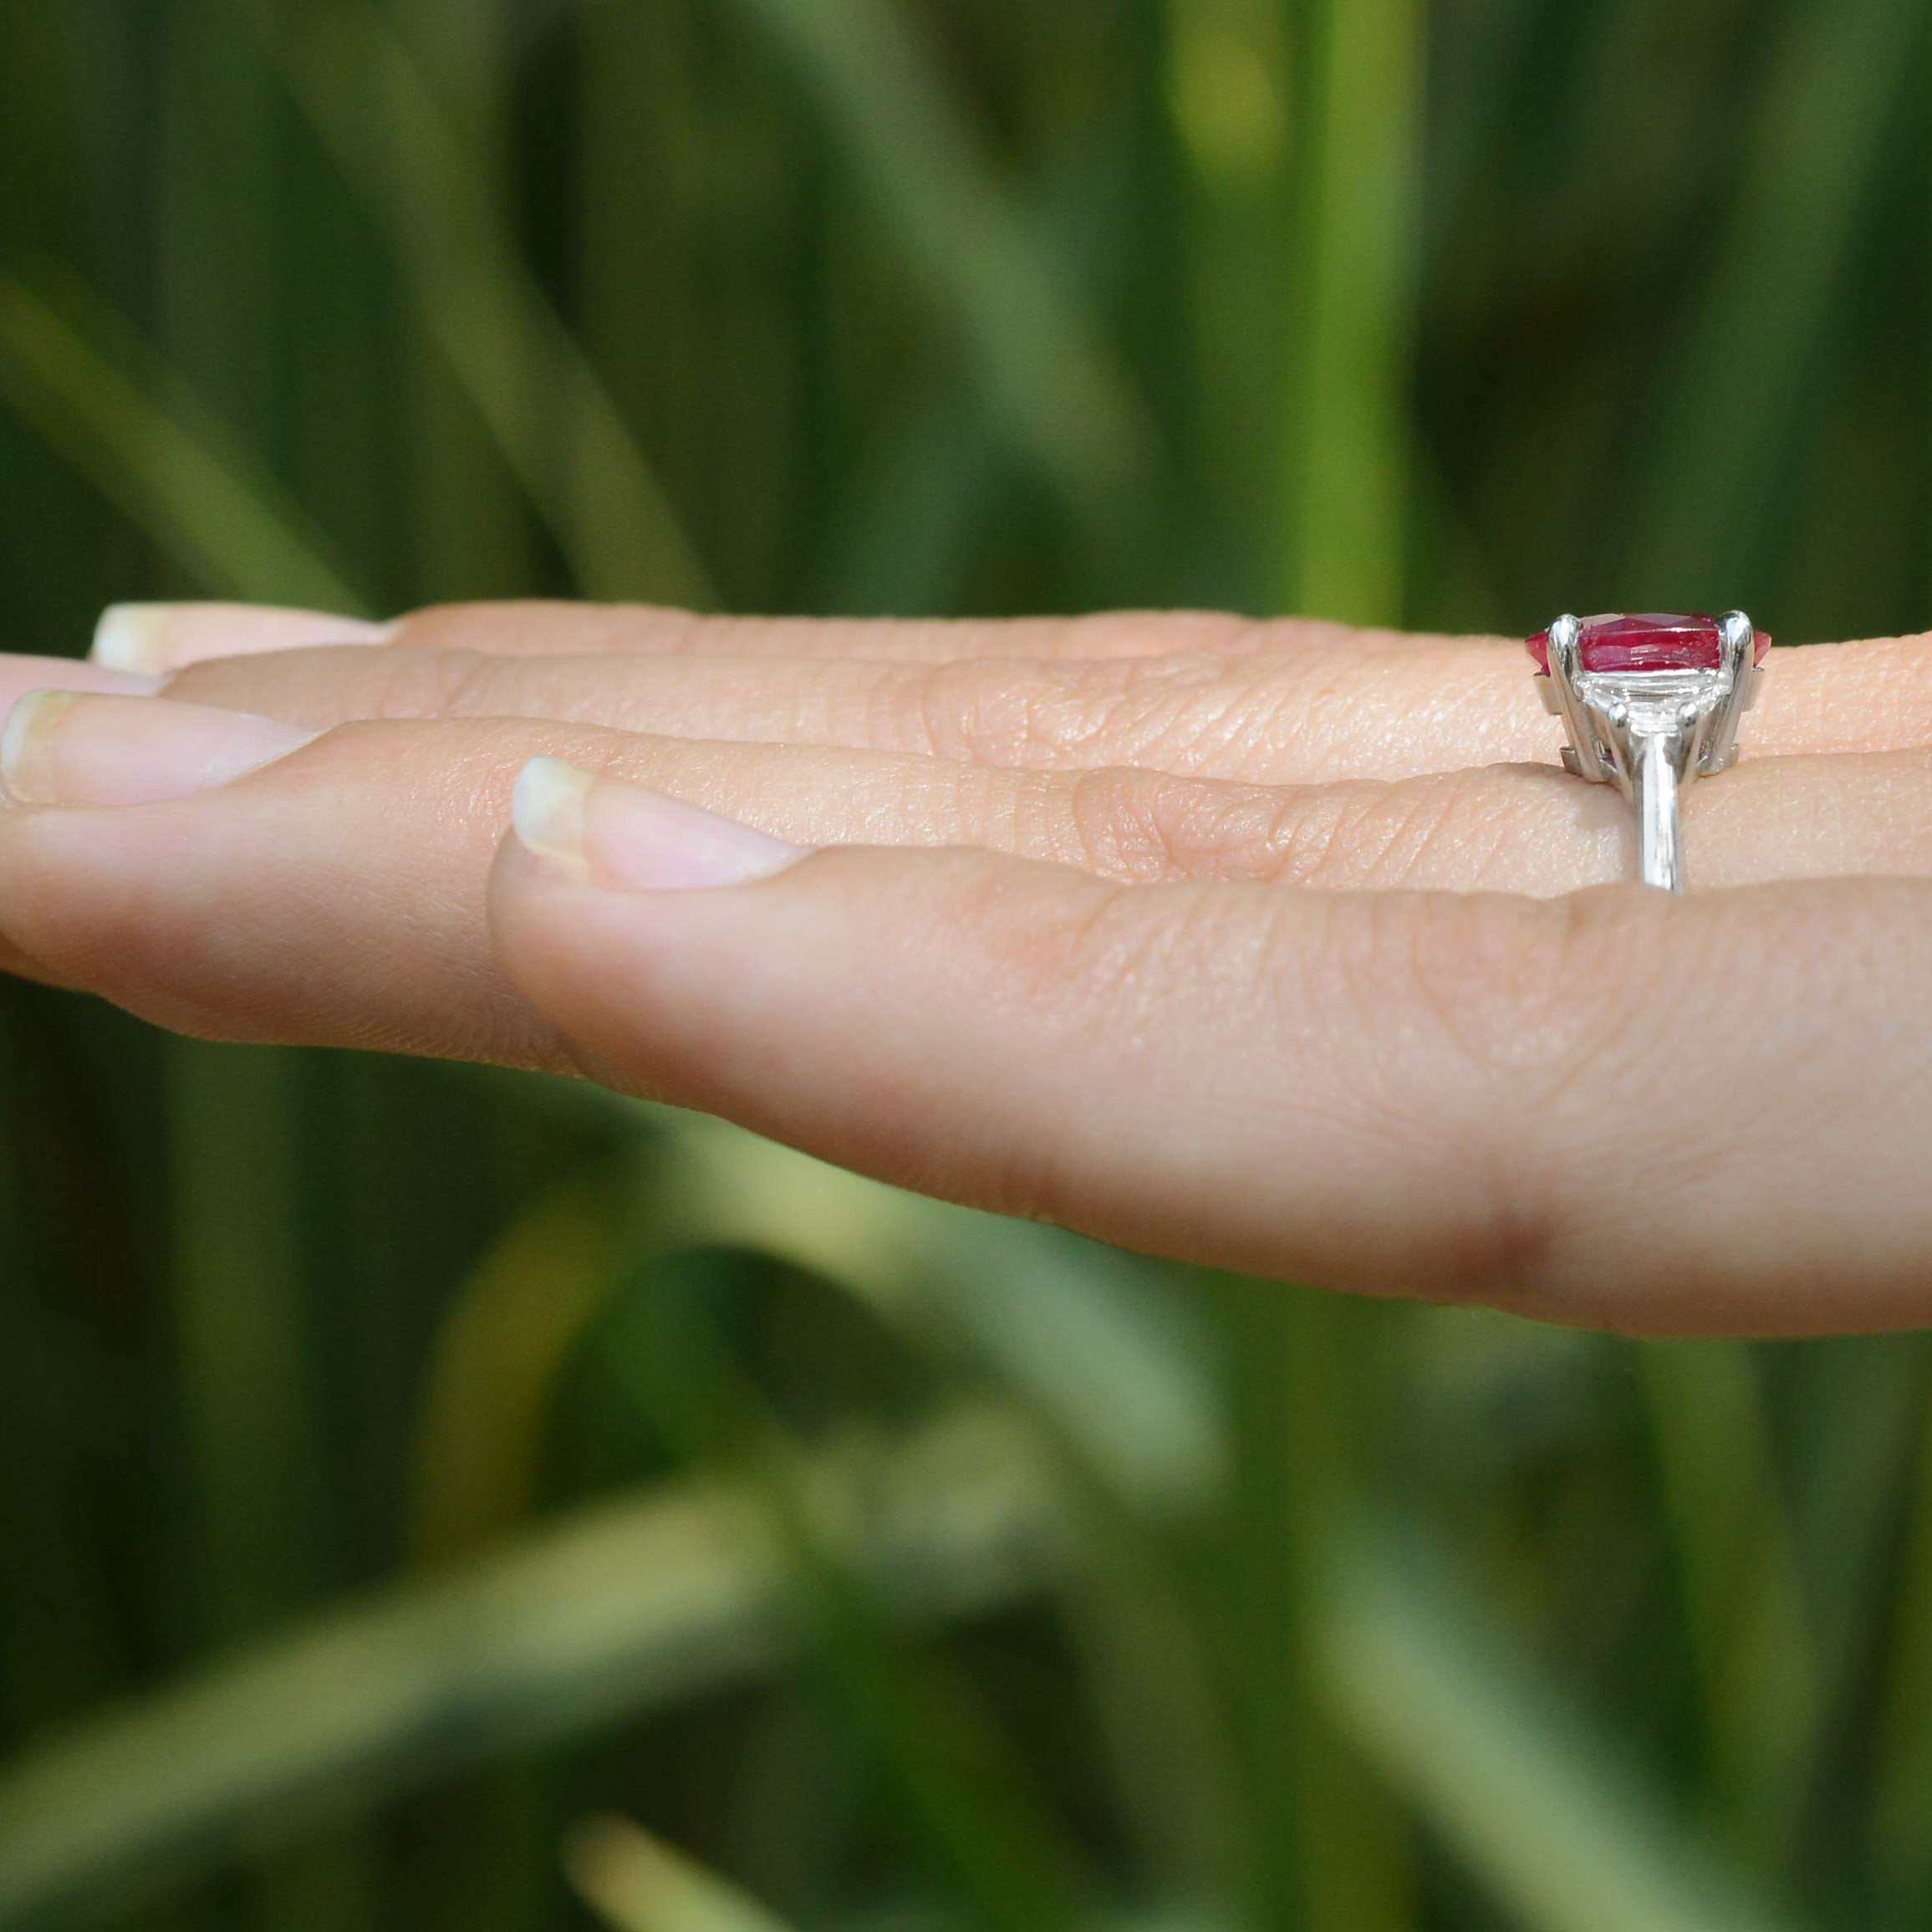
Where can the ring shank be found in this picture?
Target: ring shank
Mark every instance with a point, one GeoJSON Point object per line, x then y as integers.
{"type": "Point", "coordinates": [1659, 762]}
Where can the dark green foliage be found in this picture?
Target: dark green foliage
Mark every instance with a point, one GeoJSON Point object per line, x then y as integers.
{"type": "Point", "coordinates": [900, 1566]}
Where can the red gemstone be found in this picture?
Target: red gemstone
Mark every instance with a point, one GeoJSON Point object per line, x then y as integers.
{"type": "Point", "coordinates": [1651, 641]}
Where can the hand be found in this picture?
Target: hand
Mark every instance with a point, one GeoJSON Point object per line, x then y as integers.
{"type": "Point", "coordinates": [1450, 1069]}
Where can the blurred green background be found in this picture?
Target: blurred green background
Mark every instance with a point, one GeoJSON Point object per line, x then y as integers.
{"type": "Point", "coordinates": [431, 1499]}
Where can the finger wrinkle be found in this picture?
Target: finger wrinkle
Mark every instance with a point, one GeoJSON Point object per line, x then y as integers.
{"type": "Point", "coordinates": [1407, 830]}
{"type": "Point", "coordinates": [1111, 719]}
{"type": "Point", "coordinates": [1148, 826]}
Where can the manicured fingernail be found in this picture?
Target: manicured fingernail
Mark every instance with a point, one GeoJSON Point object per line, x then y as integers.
{"type": "Point", "coordinates": [629, 839]}
{"type": "Point", "coordinates": [69, 748]}
{"type": "Point", "coordinates": [156, 637]}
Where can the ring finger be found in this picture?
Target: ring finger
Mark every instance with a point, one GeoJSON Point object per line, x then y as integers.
{"type": "Point", "coordinates": [1326, 712]}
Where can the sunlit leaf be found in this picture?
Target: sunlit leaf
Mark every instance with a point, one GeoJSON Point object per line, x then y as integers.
{"type": "Point", "coordinates": [636, 1883]}
{"type": "Point", "coordinates": [1731, 396]}
{"type": "Point", "coordinates": [629, 1608]}
{"type": "Point", "coordinates": [1346, 482]}
{"type": "Point", "coordinates": [365, 97]}
{"type": "Point", "coordinates": [1045, 371]}
{"type": "Point", "coordinates": [1538, 1803]}
{"type": "Point", "coordinates": [113, 412]}
{"type": "Point", "coordinates": [1757, 1659]}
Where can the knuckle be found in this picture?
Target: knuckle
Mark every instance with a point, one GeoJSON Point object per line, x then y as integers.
{"type": "Point", "coordinates": [1431, 833]}
{"type": "Point", "coordinates": [1144, 826]}
{"type": "Point", "coordinates": [412, 682]}
{"type": "Point", "coordinates": [1526, 996]}
{"type": "Point", "coordinates": [1072, 712]}
{"type": "Point", "coordinates": [1412, 833]}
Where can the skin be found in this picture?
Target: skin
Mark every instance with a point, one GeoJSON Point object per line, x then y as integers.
{"type": "Point", "coordinates": [1275, 946]}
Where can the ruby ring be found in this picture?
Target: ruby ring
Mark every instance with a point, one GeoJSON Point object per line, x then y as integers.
{"type": "Point", "coordinates": [1650, 703]}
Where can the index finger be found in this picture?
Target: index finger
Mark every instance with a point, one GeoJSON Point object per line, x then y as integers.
{"type": "Point", "coordinates": [1620, 1109]}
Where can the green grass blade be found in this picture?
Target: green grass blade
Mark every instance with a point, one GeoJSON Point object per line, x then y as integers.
{"type": "Point", "coordinates": [1901, 1809]}
{"type": "Point", "coordinates": [1327, 1848]}
{"type": "Point", "coordinates": [365, 95]}
{"type": "Point", "coordinates": [172, 471]}
{"type": "Point", "coordinates": [1116, 1382]}
{"type": "Point", "coordinates": [1733, 392]}
{"type": "Point", "coordinates": [1757, 1667]}
{"type": "Point", "coordinates": [967, 1797]}
{"type": "Point", "coordinates": [59, 1650]}
{"type": "Point", "coordinates": [472, 534]}
{"type": "Point", "coordinates": [491, 1370]}
{"type": "Point", "coordinates": [624, 1609]}
{"type": "Point", "coordinates": [253, 1469]}
{"type": "Point", "coordinates": [1346, 484]}
{"type": "Point", "coordinates": [636, 1883]}
{"type": "Point", "coordinates": [1538, 1804]}
{"type": "Point", "coordinates": [1041, 362]}
{"type": "Point", "coordinates": [1229, 91]}
{"type": "Point", "coordinates": [245, 1379]}
{"type": "Point", "coordinates": [1079, 1333]}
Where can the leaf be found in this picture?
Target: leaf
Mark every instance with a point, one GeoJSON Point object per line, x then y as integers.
{"type": "Point", "coordinates": [1042, 363]}
{"type": "Point", "coordinates": [1540, 1806]}
{"type": "Point", "coordinates": [1733, 390]}
{"type": "Point", "coordinates": [621, 1610]}
{"type": "Point", "coordinates": [1356, 257]}
{"type": "Point", "coordinates": [494, 1364]}
{"type": "Point", "coordinates": [1758, 1670]}
{"type": "Point", "coordinates": [364, 96]}
{"type": "Point", "coordinates": [637, 1882]}
{"type": "Point", "coordinates": [108, 408]}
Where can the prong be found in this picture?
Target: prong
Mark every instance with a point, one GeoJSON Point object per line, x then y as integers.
{"type": "Point", "coordinates": [1740, 645]}
{"type": "Point", "coordinates": [1614, 742]}
{"type": "Point", "coordinates": [1563, 635]}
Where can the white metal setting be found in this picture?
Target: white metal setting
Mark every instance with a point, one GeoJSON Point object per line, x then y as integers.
{"type": "Point", "coordinates": [1650, 733]}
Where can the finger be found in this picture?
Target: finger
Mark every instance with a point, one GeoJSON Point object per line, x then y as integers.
{"type": "Point", "coordinates": [1621, 1108]}
{"type": "Point", "coordinates": [1870, 696]}
{"type": "Point", "coordinates": [333, 894]}
{"type": "Point", "coordinates": [164, 637]}
{"type": "Point", "coordinates": [1325, 712]}
{"type": "Point", "coordinates": [20, 674]}
{"type": "Point", "coordinates": [1328, 711]}
{"type": "Point", "coordinates": [1521, 829]}
{"type": "Point", "coordinates": [151, 639]}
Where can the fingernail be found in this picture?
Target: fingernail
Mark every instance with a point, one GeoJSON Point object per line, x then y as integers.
{"type": "Point", "coordinates": [156, 638]}
{"type": "Point", "coordinates": [72, 748]}
{"type": "Point", "coordinates": [629, 839]}
{"type": "Point", "coordinates": [20, 675]}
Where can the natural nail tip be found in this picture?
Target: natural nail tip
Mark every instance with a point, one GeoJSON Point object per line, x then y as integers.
{"type": "Point", "coordinates": [33, 715]}
{"type": "Point", "coordinates": [157, 638]}
{"type": "Point", "coordinates": [626, 838]}
{"type": "Point", "coordinates": [78, 748]}
{"type": "Point", "coordinates": [547, 811]}
{"type": "Point", "coordinates": [128, 638]}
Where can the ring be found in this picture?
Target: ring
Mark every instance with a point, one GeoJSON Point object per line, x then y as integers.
{"type": "Point", "coordinates": [1650, 703]}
